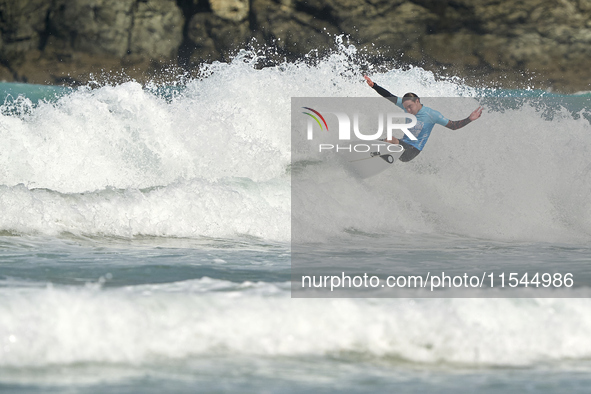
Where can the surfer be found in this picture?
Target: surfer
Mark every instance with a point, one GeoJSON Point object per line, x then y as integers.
{"type": "Point", "coordinates": [427, 118]}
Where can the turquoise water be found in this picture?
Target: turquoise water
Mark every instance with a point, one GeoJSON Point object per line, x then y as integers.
{"type": "Point", "coordinates": [35, 93]}
{"type": "Point", "coordinates": [146, 240]}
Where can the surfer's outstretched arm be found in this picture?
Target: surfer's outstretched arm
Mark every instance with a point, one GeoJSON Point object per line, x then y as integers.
{"type": "Point", "coordinates": [383, 92]}
{"type": "Point", "coordinates": [458, 124]}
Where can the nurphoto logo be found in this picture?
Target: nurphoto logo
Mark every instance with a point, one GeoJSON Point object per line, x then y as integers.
{"type": "Point", "coordinates": [393, 121]}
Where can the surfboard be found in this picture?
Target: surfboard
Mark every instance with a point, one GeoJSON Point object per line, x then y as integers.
{"type": "Point", "coordinates": [369, 158]}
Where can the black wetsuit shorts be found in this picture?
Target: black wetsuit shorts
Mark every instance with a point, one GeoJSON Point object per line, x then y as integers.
{"type": "Point", "coordinates": [410, 152]}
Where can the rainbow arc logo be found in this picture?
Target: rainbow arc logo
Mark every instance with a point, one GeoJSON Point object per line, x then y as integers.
{"type": "Point", "coordinates": [315, 118]}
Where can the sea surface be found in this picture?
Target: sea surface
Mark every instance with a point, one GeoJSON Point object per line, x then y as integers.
{"type": "Point", "coordinates": [146, 239]}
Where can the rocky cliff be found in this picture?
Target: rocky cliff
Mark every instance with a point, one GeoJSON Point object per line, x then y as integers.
{"type": "Point", "coordinates": [541, 43]}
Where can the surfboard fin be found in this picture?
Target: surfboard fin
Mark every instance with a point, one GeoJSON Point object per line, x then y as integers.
{"type": "Point", "coordinates": [388, 158]}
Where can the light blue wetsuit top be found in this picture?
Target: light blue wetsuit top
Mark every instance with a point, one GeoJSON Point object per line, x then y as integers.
{"type": "Point", "coordinates": [427, 118]}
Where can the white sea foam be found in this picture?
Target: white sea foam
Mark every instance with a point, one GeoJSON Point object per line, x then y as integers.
{"type": "Point", "coordinates": [214, 160]}
{"type": "Point", "coordinates": [512, 175]}
{"type": "Point", "coordinates": [143, 324]}
{"type": "Point", "coordinates": [223, 208]}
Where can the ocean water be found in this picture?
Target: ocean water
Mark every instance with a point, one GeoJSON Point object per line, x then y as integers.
{"type": "Point", "coordinates": [146, 239]}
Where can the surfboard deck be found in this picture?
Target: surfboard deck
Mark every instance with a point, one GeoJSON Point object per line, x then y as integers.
{"type": "Point", "coordinates": [372, 157]}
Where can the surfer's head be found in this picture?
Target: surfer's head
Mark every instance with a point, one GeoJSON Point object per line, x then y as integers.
{"type": "Point", "coordinates": [411, 103]}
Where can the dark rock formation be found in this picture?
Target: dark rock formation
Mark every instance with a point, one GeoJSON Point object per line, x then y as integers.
{"type": "Point", "coordinates": [545, 43]}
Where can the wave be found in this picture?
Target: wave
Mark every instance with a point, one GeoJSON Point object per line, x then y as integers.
{"type": "Point", "coordinates": [207, 317]}
{"type": "Point", "coordinates": [125, 159]}
{"type": "Point", "coordinates": [197, 208]}
{"type": "Point", "coordinates": [511, 175]}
